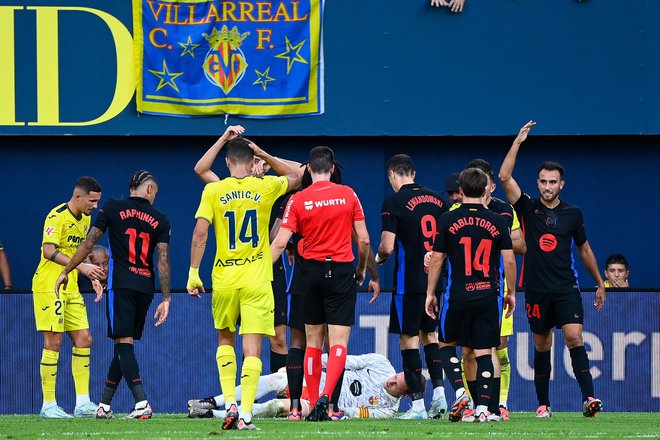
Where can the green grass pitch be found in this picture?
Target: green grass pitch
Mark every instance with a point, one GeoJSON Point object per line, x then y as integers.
{"type": "Point", "coordinates": [178, 426]}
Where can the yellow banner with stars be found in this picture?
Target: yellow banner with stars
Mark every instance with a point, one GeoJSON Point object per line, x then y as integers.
{"type": "Point", "coordinates": [256, 59]}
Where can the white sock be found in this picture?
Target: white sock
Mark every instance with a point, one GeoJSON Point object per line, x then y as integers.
{"type": "Point", "coordinates": [219, 414]}
{"type": "Point", "coordinates": [503, 404]}
{"type": "Point", "coordinates": [245, 416]}
{"type": "Point", "coordinates": [47, 405]}
{"type": "Point", "coordinates": [142, 404]}
{"type": "Point", "coordinates": [219, 400]}
{"type": "Point", "coordinates": [482, 409]}
{"type": "Point", "coordinates": [418, 405]}
{"type": "Point", "coordinates": [438, 392]}
{"type": "Point", "coordinates": [460, 392]}
{"type": "Point", "coordinates": [272, 408]}
{"type": "Point", "coordinates": [82, 399]}
{"type": "Point", "coordinates": [105, 407]}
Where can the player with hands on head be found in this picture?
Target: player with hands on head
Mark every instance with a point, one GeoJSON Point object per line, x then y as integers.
{"type": "Point", "coordinates": [552, 294]}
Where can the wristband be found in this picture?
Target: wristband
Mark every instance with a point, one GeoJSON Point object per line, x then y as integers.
{"type": "Point", "coordinates": [53, 256]}
{"type": "Point", "coordinates": [193, 272]}
{"type": "Point", "coordinates": [379, 259]}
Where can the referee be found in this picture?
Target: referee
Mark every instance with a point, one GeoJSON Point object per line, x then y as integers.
{"type": "Point", "coordinates": [325, 214]}
{"type": "Point", "coordinates": [552, 294]}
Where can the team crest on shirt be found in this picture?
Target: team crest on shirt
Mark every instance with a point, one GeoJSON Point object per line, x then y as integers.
{"type": "Point", "coordinates": [374, 400]}
{"type": "Point", "coordinates": [550, 222]}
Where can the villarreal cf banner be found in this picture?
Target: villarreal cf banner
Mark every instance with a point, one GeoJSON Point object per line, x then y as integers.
{"type": "Point", "coordinates": [252, 58]}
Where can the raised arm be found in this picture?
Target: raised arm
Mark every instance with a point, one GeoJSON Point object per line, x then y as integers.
{"type": "Point", "coordinates": [280, 166]}
{"type": "Point", "coordinates": [510, 186]}
{"type": "Point", "coordinates": [589, 259]}
{"type": "Point", "coordinates": [90, 270]}
{"type": "Point", "coordinates": [163, 309]}
{"type": "Point", "coordinates": [203, 165]}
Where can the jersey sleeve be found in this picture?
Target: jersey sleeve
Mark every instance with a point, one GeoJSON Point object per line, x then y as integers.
{"type": "Point", "coordinates": [205, 209]}
{"type": "Point", "coordinates": [52, 229]}
{"type": "Point", "coordinates": [277, 185]}
{"type": "Point", "coordinates": [369, 360]}
{"type": "Point", "coordinates": [290, 218]}
{"type": "Point", "coordinates": [523, 203]}
{"type": "Point", "coordinates": [165, 231]}
{"type": "Point", "coordinates": [579, 234]}
{"type": "Point", "coordinates": [101, 222]}
{"type": "Point", "coordinates": [505, 237]}
{"type": "Point", "coordinates": [440, 243]}
{"type": "Point", "coordinates": [389, 216]}
{"type": "Point", "coordinates": [358, 212]}
{"type": "Point", "coordinates": [362, 412]}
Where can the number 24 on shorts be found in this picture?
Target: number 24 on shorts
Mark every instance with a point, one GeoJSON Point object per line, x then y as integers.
{"type": "Point", "coordinates": [533, 311]}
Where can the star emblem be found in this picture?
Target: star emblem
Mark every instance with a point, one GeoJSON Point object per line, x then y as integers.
{"type": "Point", "coordinates": [263, 78]}
{"type": "Point", "coordinates": [292, 54]}
{"type": "Point", "coordinates": [166, 77]}
{"type": "Point", "coordinates": [188, 47]}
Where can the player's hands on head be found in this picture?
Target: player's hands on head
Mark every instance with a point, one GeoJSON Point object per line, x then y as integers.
{"type": "Point", "coordinates": [600, 298]}
{"type": "Point", "coordinates": [431, 306]}
{"type": "Point", "coordinates": [522, 134]}
{"type": "Point", "coordinates": [161, 312]}
{"type": "Point", "coordinates": [374, 287]}
{"type": "Point", "coordinates": [194, 284]}
{"type": "Point", "coordinates": [62, 281]}
{"type": "Point", "coordinates": [256, 149]}
{"type": "Point", "coordinates": [456, 5]}
{"type": "Point", "coordinates": [232, 132]}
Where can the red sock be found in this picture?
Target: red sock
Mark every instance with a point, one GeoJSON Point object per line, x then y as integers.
{"type": "Point", "coordinates": [334, 368]}
{"type": "Point", "coordinates": [313, 369]}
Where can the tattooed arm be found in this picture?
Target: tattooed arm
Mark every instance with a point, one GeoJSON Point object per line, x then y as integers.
{"type": "Point", "coordinates": [90, 270]}
{"type": "Point", "coordinates": [163, 309]}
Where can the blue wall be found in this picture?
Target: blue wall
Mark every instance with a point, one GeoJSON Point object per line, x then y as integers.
{"type": "Point", "coordinates": [400, 67]}
{"type": "Point", "coordinates": [623, 345]}
{"type": "Point", "coordinates": [611, 179]}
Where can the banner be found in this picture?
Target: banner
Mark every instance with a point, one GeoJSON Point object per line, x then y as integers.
{"type": "Point", "coordinates": [257, 59]}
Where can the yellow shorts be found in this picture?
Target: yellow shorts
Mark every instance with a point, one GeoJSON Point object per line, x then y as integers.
{"type": "Point", "coordinates": [61, 315]}
{"type": "Point", "coordinates": [507, 324]}
{"type": "Point", "coordinates": [254, 304]}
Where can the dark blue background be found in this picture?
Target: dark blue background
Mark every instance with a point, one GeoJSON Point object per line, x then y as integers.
{"type": "Point", "coordinates": [177, 361]}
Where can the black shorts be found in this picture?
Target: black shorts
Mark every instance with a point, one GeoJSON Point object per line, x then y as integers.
{"type": "Point", "coordinates": [474, 324]}
{"type": "Point", "coordinates": [328, 292]}
{"type": "Point", "coordinates": [279, 293]}
{"type": "Point", "coordinates": [408, 315]}
{"type": "Point", "coordinates": [296, 317]}
{"type": "Point", "coordinates": [126, 311]}
{"type": "Point", "coordinates": [548, 310]}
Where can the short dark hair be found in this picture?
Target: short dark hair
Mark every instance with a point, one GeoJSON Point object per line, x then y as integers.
{"type": "Point", "coordinates": [335, 177]}
{"type": "Point", "coordinates": [422, 384]}
{"type": "Point", "coordinates": [321, 159]}
{"type": "Point", "coordinates": [87, 184]}
{"type": "Point", "coordinates": [550, 165]}
{"type": "Point", "coordinates": [473, 182]}
{"type": "Point", "coordinates": [616, 259]}
{"type": "Point", "coordinates": [401, 164]}
{"type": "Point", "coordinates": [483, 166]}
{"type": "Point", "coordinates": [239, 151]}
{"type": "Point", "coordinates": [139, 177]}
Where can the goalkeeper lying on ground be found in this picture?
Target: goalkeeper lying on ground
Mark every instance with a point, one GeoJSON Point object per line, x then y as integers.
{"type": "Point", "coordinates": [371, 388]}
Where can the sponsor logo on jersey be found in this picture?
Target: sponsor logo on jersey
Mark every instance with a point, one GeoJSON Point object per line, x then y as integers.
{"type": "Point", "coordinates": [309, 205]}
{"type": "Point", "coordinates": [238, 261]}
{"type": "Point", "coordinates": [548, 242]}
{"type": "Point", "coordinates": [74, 239]}
{"type": "Point", "coordinates": [329, 202]}
{"type": "Point", "coordinates": [481, 285]}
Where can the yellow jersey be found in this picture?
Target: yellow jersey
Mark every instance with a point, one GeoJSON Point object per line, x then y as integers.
{"type": "Point", "coordinates": [66, 232]}
{"type": "Point", "coordinates": [239, 210]}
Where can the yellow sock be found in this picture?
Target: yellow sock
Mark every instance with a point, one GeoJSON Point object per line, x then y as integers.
{"type": "Point", "coordinates": [467, 389]}
{"type": "Point", "coordinates": [48, 370]}
{"type": "Point", "coordinates": [249, 382]}
{"type": "Point", "coordinates": [226, 359]}
{"type": "Point", "coordinates": [80, 370]}
{"type": "Point", "coordinates": [505, 366]}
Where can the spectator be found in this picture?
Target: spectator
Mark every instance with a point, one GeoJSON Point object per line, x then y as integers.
{"type": "Point", "coordinates": [5, 273]}
{"type": "Point", "coordinates": [616, 271]}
